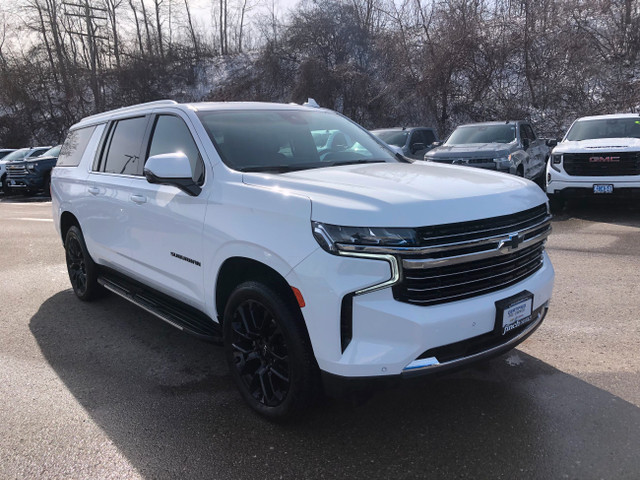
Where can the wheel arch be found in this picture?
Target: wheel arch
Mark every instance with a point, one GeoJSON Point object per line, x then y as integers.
{"type": "Point", "coordinates": [67, 220]}
{"type": "Point", "coordinates": [236, 270]}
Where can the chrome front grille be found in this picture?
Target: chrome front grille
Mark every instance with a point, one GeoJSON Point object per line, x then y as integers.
{"type": "Point", "coordinates": [16, 171]}
{"type": "Point", "coordinates": [468, 259]}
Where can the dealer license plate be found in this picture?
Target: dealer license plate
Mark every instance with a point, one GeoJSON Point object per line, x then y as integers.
{"type": "Point", "coordinates": [603, 189]}
{"type": "Point", "coordinates": [514, 312]}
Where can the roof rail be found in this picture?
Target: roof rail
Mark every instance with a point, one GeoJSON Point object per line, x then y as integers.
{"type": "Point", "coordinates": [130, 108]}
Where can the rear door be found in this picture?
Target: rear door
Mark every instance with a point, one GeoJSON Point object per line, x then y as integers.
{"type": "Point", "coordinates": [166, 223]}
{"type": "Point", "coordinates": [105, 210]}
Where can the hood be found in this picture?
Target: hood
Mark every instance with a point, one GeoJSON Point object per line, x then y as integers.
{"type": "Point", "coordinates": [404, 195]}
{"type": "Point", "coordinates": [591, 145]}
{"type": "Point", "coordinates": [41, 159]}
{"type": "Point", "coordinates": [471, 150]}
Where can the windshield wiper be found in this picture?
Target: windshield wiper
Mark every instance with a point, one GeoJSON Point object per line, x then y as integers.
{"type": "Point", "coordinates": [274, 168]}
{"type": "Point", "coordinates": [352, 162]}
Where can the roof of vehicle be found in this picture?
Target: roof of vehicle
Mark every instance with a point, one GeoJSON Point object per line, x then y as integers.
{"type": "Point", "coordinates": [502, 122]}
{"type": "Point", "coordinates": [398, 129]}
{"type": "Point", "coordinates": [198, 106]}
{"type": "Point", "coordinates": [610, 116]}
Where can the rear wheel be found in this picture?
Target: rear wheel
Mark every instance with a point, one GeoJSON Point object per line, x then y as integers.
{"type": "Point", "coordinates": [5, 186]}
{"type": "Point", "coordinates": [83, 272]}
{"type": "Point", "coordinates": [268, 352]}
{"type": "Point", "coordinates": [47, 186]}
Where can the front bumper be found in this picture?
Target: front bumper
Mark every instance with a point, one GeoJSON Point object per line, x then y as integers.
{"type": "Point", "coordinates": [337, 386]}
{"type": "Point", "coordinates": [26, 182]}
{"type": "Point", "coordinates": [388, 336]}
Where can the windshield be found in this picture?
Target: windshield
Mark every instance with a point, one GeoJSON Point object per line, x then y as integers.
{"type": "Point", "coordinates": [392, 137]}
{"type": "Point", "coordinates": [52, 152]}
{"type": "Point", "coordinates": [604, 128]}
{"type": "Point", "coordinates": [17, 155]}
{"type": "Point", "coordinates": [482, 134]}
{"type": "Point", "coordinates": [287, 140]}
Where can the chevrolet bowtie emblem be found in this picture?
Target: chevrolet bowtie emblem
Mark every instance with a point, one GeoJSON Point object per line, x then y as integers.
{"type": "Point", "coordinates": [512, 242]}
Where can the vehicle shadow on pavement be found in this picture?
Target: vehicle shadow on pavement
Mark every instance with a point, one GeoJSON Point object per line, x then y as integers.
{"type": "Point", "coordinates": [616, 211]}
{"type": "Point", "coordinates": [166, 401]}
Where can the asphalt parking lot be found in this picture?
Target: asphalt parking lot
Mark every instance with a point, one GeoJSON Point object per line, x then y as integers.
{"type": "Point", "coordinates": [105, 390]}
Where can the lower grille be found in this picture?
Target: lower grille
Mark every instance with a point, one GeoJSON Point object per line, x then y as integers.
{"type": "Point", "coordinates": [602, 164]}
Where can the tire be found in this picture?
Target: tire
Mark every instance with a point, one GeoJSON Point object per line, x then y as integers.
{"type": "Point", "coordinates": [83, 272]}
{"type": "Point", "coordinates": [5, 186]}
{"type": "Point", "coordinates": [47, 186]}
{"type": "Point", "coordinates": [520, 171]}
{"type": "Point", "coordinates": [268, 352]}
{"type": "Point", "coordinates": [556, 203]}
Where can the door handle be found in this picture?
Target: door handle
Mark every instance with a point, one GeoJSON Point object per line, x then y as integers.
{"type": "Point", "coordinates": [139, 199]}
{"type": "Point", "coordinates": [93, 190]}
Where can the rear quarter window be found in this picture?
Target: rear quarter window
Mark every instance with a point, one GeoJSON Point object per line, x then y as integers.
{"type": "Point", "coordinates": [74, 146]}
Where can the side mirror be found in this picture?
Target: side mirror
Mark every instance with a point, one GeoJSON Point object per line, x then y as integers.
{"type": "Point", "coordinates": [551, 142]}
{"type": "Point", "coordinates": [416, 147]}
{"type": "Point", "coordinates": [171, 169]}
{"type": "Point", "coordinates": [436, 144]}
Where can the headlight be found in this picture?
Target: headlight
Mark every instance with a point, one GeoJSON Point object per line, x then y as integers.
{"type": "Point", "coordinates": [330, 237]}
{"type": "Point", "coordinates": [503, 163]}
{"type": "Point", "coordinates": [556, 160]}
{"type": "Point", "coordinates": [31, 166]}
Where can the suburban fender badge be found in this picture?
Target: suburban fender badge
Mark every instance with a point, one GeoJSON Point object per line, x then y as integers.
{"type": "Point", "coordinates": [186, 259]}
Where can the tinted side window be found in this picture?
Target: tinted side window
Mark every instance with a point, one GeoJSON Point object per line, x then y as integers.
{"type": "Point", "coordinates": [171, 135]}
{"type": "Point", "coordinates": [123, 146]}
{"type": "Point", "coordinates": [429, 137]}
{"type": "Point", "coordinates": [74, 146]}
{"type": "Point", "coordinates": [417, 137]}
{"type": "Point", "coordinates": [529, 130]}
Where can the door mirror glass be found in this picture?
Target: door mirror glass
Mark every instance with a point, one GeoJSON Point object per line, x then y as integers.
{"type": "Point", "coordinates": [552, 142]}
{"type": "Point", "coordinates": [171, 169]}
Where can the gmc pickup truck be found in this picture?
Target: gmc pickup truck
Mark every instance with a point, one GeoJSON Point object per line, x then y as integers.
{"type": "Point", "coordinates": [599, 155]}
{"type": "Point", "coordinates": [510, 147]}
{"type": "Point", "coordinates": [318, 267]}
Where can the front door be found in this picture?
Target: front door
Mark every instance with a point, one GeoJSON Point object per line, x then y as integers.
{"type": "Point", "coordinates": [167, 223]}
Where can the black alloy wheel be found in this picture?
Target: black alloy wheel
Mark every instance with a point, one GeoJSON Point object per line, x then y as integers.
{"type": "Point", "coordinates": [80, 266]}
{"type": "Point", "coordinates": [261, 354]}
{"type": "Point", "coordinates": [268, 352]}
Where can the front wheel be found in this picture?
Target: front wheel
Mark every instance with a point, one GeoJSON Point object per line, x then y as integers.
{"type": "Point", "coordinates": [5, 186]}
{"type": "Point", "coordinates": [83, 272]}
{"type": "Point", "coordinates": [268, 352]}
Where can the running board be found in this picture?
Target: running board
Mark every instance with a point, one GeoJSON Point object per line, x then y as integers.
{"type": "Point", "coordinates": [175, 313]}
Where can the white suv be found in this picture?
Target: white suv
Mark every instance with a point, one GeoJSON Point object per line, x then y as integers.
{"type": "Point", "coordinates": [317, 267]}
{"type": "Point", "coordinates": [599, 155]}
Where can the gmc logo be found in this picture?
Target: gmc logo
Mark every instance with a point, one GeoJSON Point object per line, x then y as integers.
{"type": "Point", "coordinates": [603, 159]}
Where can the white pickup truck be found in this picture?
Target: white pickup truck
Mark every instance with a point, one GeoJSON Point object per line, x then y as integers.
{"type": "Point", "coordinates": [316, 266]}
{"type": "Point", "coordinates": [599, 155]}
